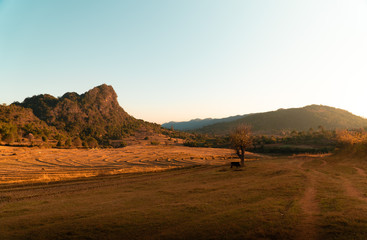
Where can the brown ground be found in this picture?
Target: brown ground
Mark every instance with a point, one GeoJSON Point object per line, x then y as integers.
{"type": "Point", "coordinates": [22, 164]}
{"type": "Point", "coordinates": [310, 209]}
{"type": "Point", "coordinates": [298, 197]}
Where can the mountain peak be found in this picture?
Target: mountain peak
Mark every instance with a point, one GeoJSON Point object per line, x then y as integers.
{"type": "Point", "coordinates": [103, 90]}
{"type": "Point", "coordinates": [94, 112]}
{"type": "Point", "coordinates": [103, 96]}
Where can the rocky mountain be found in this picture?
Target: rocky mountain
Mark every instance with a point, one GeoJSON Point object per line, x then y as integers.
{"type": "Point", "coordinates": [95, 113]}
{"type": "Point", "coordinates": [286, 120]}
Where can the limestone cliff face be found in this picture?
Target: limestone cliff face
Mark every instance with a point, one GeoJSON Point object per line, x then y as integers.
{"type": "Point", "coordinates": [102, 98]}
{"type": "Point", "coordinates": [95, 113]}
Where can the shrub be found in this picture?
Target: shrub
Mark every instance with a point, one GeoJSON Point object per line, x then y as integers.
{"type": "Point", "coordinates": [353, 141]}
{"type": "Point", "coordinates": [59, 143]}
{"type": "Point", "coordinates": [154, 142]}
{"type": "Point", "coordinates": [8, 138]}
{"type": "Point", "coordinates": [91, 142]}
{"type": "Point", "coordinates": [122, 144]}
{"type": "Point", "coordinates": [68, 142]}
{"type": "Point", "coordinates": [77, 142]}
{"type": "Point", "coordinates": [188, 143]}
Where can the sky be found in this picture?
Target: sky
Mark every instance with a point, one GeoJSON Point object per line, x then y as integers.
{"type": "Point", "coordinates": [184, 59]}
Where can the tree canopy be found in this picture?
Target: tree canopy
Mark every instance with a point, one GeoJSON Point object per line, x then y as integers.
{"type": "Point", "coordinates": [241, 139]}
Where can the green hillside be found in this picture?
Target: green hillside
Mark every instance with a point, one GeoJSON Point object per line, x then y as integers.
{"type": "Point", "coordinates": [285, 120]}
{"type": "Point", "coordinates": [94, 114]}
{"type": "Point", "coordinates": [198, 123]}
{"type": "Point", "coordinates": [17, 122]}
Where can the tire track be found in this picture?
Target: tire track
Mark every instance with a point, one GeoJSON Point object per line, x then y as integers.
{"type": "Point", "coordinates": [351, 191]}
{"type": "Point", "coordinates": [14, 193]}
{"type": "Point", "coordinates": [308, 227]}
{"type": "Point", "coordinates": [309, 206]}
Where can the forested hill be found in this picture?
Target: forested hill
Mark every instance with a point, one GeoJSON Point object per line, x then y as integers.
{"type": "Point", "coordinates": [17, 122]}
{"type": "Point", "coordinates": [198, 123]}
{"type": "Point", "coordinates": [94, 114]}
{"type": "Point", "coordinates": [299, 119]}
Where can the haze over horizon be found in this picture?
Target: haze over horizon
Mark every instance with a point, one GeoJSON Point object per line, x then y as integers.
{"type": "Point", "coordinates": [181, 60]}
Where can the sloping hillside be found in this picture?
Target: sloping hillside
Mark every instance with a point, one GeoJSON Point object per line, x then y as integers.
{"type": "Point", "coordinates": [17, 122]}
{"type": "Point", "coordinates": [300, 119]}
{"type": "Point", "coordinates": [199, 123]}
{"type": "Point", "coordinates": [95, 113]}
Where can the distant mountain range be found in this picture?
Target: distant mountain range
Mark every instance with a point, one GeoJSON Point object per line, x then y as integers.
{"type": "Point", "coordinates": [97, 115]}
{"type": "Point", "coordinates": [199, 123]}
{"type": "Point", "coordinates": [282, 120]}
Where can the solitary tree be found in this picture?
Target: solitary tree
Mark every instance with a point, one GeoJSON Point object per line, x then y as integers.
{"type": "Point", "coordinates": [241, 139]}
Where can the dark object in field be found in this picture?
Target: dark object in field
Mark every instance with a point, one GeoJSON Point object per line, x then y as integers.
{"type": "Point", "coordinates": [235, 164]}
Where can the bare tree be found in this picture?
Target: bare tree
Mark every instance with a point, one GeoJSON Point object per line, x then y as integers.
{"type": "Point", "coordinates": [241, 139]}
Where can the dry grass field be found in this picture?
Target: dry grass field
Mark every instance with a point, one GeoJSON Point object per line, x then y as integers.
{"type": "Point", "coordinates": [24, 165]}
{"type": "Point", "coordinates": [299, 197]}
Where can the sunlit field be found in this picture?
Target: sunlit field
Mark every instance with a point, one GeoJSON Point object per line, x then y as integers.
{"type": "Point", "coordinates": [199, 197]}
{"type": "Point", "coordinates": [24, 165]}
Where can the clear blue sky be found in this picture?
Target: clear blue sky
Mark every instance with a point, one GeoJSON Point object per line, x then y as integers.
{"type": "Point", "coordinates": [183, 59]}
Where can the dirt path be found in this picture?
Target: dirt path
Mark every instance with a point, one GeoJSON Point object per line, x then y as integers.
{"type": "Point", "coordinates": [351, 191]}
{"type": "Point", "coordinates": [349, 188]}
{"type": "Point", "coordinates": [323, 163]}
{"type": "Point", "coordinates": [308, 229]}
{"type": "Point", "coordinates": [310, 209]}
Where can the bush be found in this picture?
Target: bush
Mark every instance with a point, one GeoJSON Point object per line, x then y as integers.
{"type": "Point", "coordinates": [59, 143]}
{"type": "Point", "coordinates": [77, 142]}
{"type": "Point", "coordinates": [8, 138]}
{"type": "Point", "coordinates": [191, 144]}
{"type": "Point", "coordinates": [122, 144]}
{"type": "Point", "coordinates": [354, 142]}
{"type": "Point", "coordinates": [154, 142]}
{"type": "Point", "coordinates": [68, 142]}
{"type": "Point", "coordinates": [91, 142]}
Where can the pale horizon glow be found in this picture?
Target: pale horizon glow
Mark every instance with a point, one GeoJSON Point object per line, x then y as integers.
{"type": "Point", "coordinates": [181, 60]}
